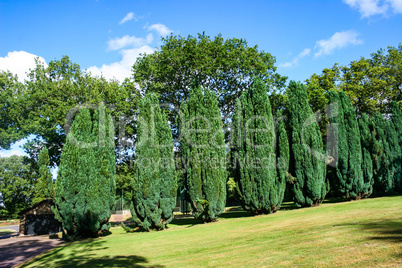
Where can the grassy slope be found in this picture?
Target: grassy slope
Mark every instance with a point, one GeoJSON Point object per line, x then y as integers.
{"type": "Point", "coordinates": [363, 233]}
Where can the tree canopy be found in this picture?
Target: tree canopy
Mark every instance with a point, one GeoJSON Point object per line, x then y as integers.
{"type": "Point", "coordinates": [224, 66]}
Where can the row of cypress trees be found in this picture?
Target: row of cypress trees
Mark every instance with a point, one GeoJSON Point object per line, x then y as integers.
{"type": "Point", "coordinates": [267, 155]}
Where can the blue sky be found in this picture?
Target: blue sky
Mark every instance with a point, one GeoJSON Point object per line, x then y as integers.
{"type": "Point", "coordinates": [105, 37]}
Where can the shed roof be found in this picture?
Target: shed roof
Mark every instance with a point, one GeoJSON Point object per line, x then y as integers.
{"type": "Point", "coordinates": [36, 205]}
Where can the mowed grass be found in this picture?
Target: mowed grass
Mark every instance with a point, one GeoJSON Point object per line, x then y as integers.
{"type": "Point", "coordinates": [365, 233]}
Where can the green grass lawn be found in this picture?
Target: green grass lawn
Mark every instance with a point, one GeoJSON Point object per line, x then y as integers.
{"type": "Point", "coordinates": [366, 233]}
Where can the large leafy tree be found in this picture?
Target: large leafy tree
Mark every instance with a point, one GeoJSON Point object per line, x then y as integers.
{"type": "Point", "coordinates": [203, 151]}
{"type": "Point", "coordinates": [225, 66]}
{"type": "Point", "coordinates": [41, 106]}
{"type": "Point", "coordinates": [307, 161]}
{"type": "Point", "coordinates": [85, 185]}
{"type": "Point", "coordinates": [348, 174]}
{"type": "Point", "coordinates": [11, 108]}
{"type": "Point", "coordinates": [16, 185]}
{"type": "Point", "coordinates": [154, 186]}
{"type": "Point", "coordinates": [254, 149]}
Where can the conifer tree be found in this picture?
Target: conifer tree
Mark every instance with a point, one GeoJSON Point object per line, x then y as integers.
{"type": "Point", "coordinates": [203, 150]}
{"type": "Point", "coordinates": [397, 122]}
{"type": "Point", "coordinates": [394, 157]}
{"type": "Point", "coordinates": [348, 175]}
{"type": "Point", "coordinates": [44, 188]}
{"type": "Point", "coordinates": [282, 153]}
{"type": "Point", "coordinates": [383, 171]}
{"type": "Point", "coordinates": [154, 186]}
{"type": "Point", "coordinates": [255, 152]}
{"type": "Point", "coordinates": [307, 162]}
{"type": "Point", "coordinates": [85, 185]}
{"type": "Point", "coordinates": [368, 142]}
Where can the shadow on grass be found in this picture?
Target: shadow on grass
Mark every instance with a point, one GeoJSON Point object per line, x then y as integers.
{"type": "Point", "coordinates": [388, 230]}
{"type": "Point", "coordinates": [186, 221]}
{"type": "Point", "coordinates": [83, 253]}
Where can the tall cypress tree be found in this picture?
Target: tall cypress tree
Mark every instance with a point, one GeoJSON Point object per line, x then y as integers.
{"type": "Point", "coordinates": [154, 186]}
{"type": "Point", "coordinates": [282, 153]}
{"type": "Point", "coordinates": [348, 175]}
{"type": "Point", "coordinates": [85, 185]}
{"type": "Point", "coordinates": [383, 171]}
{"type": "Point", "coordinates": [44, 188]}
{"type": "Point", "coordinates": [397, 122]}
{"type": "Point", "coordinates": [368, 142]}
{"type": "Point", "coordinates": [203, 150]}
{"type": "Point", "coordinates": [307, 162]}
{"type": "Point", "coordinates": [254, 145]}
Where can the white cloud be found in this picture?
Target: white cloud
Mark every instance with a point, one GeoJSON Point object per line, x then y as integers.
{"type": "Point", "coordinates": [129, 41]}
{"type": "Point", "coordinates": [296, 60]}
{"type": "Point", "coordinates": [19, 63]}
{"type": "Point", "coordinates": [368, 8]}
{"type": "Point", "coordinates": [337, 41]}
{"type": "Point", "coordinates": [396, 6]}
{"type": "Point", "coordinates": [122, 69]}
{"type": "Point", "coordinates": [15, 149]}
{"type": "Point", "coordinates": [128, 17]}
{"type": "Point", "coordinates": [161, 29]}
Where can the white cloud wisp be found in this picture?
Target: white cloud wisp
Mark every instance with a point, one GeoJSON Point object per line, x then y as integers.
{"type": "Point", "coordinates": [337, 41]}
{"type": "Point", "coordinates": [296, 60]}
{"type": "Point", "coordinates": [128, 17]}
{"type": "Point", "coordinates": [368, 8]}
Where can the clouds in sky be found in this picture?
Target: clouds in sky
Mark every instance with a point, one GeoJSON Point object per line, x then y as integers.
{"type": "Point", "coordinates": [19, 63]}
{"type": "Point", "coordinates": [337, 41]}
{"type": "Point", "coordinates": [14, 150]}
{"type": "Point", "coordinates": [161, 29]}
{"type": "Point", "coordinates": [129, 48]}
{"type": "Point", "coordinates": [129, 41]}
{"type": "Point", "coordinates": [128, 17]}
{"type": "Point", "coordinates": [121, 69]}
{"type": "Point", "coordinates": [295, 61]}
{"type": "Point", "coordinates": [368, 8]}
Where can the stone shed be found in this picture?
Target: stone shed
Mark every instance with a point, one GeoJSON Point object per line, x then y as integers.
{"type": "Point", "coordinates": [39, 219]}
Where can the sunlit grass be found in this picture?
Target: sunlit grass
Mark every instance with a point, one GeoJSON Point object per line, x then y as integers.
{"type": "Point", "coordinates": [362, 233]}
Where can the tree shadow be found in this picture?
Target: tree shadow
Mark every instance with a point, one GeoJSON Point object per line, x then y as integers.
{"type": "Point", "coordinates": [83, 253]}
{"type": "Point", "coordinates": [235, 214]}
{"type": "Point", "coordinates": [334, 200]}
{"type": "Point", "coordinates": [288, 206]}
{"type": "Point", "coordinates": [389, 230]}
{"type": "Point", "coordinates": [186, 221]}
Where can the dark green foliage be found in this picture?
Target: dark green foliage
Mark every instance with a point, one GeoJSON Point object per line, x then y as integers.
{"type": "Point", "coordinates": [382, 154]}
{"type": "Point", "coordinates": [282, 154]}
{"type": "Point", "coordinates": [44, 188]}
{"type": "Point", "coordinates": [16, 185]}
{"type": "Point", "coordinates": [347, 174]}
{"type": "Point", "coordinates": [255, 156]}
{"type": "Point", "coordinates": [368, 142]}
{"type": "Point", "coordinates": [397, 122]}
{"type": "Point", "coordinates": [85, 185]}
{"type": "Point", "coordinates": [203, 150]}
{"type": "Point", "coordinates": [395, 157]}
{"type": "Point", "coordinates": [307, 162]}
{"type": "Point", "coordinates": [154, 196]}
